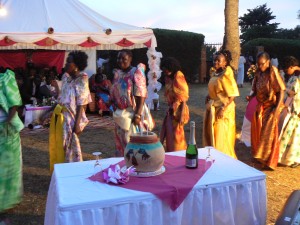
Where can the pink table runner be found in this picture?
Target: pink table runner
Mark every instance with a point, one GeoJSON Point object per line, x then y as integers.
{"type": "Point", "coordinates": [35, 108]}
{"type": "Point", "coordinates": [172, 186]}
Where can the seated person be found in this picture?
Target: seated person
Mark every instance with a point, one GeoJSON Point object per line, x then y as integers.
{"type": "Point", "coordinates": [48, 90]}
{"type": "Point", "coordinates": [30, 86]}
{"type": "Point", "coordinates": [100, 85]}
{"type": "Point", "coordinates": [56, 83]}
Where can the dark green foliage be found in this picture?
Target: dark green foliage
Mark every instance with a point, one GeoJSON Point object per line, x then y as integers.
{"type": "Point", "coordinates": [184, 46]}
{"type": "Point", "coordinates": [278, 47]}
{"type": "Point", "coordinates": [256, 24]}
{"type": "Point", "coordinates": [210, 50]}
{"type": "Point", "coordinates": [288, 33]}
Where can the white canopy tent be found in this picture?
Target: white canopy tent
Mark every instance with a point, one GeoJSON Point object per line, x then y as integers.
{"type": "Point", "coordinates": [66, 25]}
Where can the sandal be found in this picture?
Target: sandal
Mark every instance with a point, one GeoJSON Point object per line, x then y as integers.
{"type": "Point", "coordinates": [294, 165]}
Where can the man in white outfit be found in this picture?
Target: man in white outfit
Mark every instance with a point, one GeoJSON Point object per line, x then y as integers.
{"type": "Point", "coordinates": [240, 77]}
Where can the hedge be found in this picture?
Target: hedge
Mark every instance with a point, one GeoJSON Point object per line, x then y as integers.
{"type": "Point", "coordinates": [275, 47]}
{"type": "Point", "coordinates": [184, 46]}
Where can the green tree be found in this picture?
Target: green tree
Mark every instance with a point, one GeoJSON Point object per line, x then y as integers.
{"type": "Point", "coordinates": [288, 33]}
{"type": "Point", "coordinates": [256, 24]}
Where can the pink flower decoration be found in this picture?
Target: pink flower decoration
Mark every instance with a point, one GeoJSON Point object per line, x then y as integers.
{"type": "Point", "coordinates": [113, 174]}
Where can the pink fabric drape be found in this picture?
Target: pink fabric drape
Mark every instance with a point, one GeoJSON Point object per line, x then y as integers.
{"type": "Point", "coordinates": [172, 186]}
{"type": "Point", "coordinates": [12, 59]}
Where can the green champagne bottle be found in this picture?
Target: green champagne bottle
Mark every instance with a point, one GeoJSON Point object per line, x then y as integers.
{"type": "Point", "coordinates": [191, 155]}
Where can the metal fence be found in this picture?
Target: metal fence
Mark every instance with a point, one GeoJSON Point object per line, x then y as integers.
{"type": "Point", "coordinates": [217, 46]}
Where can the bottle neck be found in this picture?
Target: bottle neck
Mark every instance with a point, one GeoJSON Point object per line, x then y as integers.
{"type": "Point", "coordinates": [192, 140]}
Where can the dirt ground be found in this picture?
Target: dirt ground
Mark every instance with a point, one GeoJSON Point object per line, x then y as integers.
{"type": "Point", "coordinates": [36, 176]}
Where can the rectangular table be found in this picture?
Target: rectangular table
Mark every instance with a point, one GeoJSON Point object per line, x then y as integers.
{"type": "Point", "coordinates": [229, 193]}
{"type": "Point", "coordinates": [34, 113]}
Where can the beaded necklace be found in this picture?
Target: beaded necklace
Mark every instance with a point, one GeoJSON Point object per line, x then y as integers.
{"type": "Point", "coordinates": [219, 74]}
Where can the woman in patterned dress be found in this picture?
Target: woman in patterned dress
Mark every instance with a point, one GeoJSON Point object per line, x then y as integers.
{"type": "Point", "coordinates": [289, 148]}
{"type": "Point", "coordinates": [128, 94]}
{"type": "Point", "coordinates": [177, 94]}
{"type": "Point", "coordinates": [268, 87]}
{"type": "Point", "coordinates": [219, 120]}
{"type": "Point", "coordinates": [75, 95]}
{"type": "Point", "coordinates": [10, 146]}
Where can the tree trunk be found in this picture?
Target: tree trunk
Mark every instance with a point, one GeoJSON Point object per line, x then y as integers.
{"type": "Point", "coordinates": [231, 40]}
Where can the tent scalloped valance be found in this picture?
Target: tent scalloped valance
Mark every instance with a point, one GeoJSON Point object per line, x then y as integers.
{"type": "Point", "coordinates": [89, 43]}
{"type": "Point", "coordinates": [6, 42]}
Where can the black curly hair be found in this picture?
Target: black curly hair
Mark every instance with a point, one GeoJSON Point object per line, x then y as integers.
{"type": "Point", "coordinates": [79, 59]}
{"type": "Point", "coordinates": [171, 64]}
{"type": "Point", "coordinates": [263, 55]}
{"type": "Point", "coordinates": [226, 54]}
{"type": "Point", "coordinates": [289, 61]}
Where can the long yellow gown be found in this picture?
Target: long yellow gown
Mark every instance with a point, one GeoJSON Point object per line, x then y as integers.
{"type": "Point", "coordinates": [220, 133]}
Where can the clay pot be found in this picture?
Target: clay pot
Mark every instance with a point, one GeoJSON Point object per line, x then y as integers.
{"type": "Point", "coordinates": [144, 152]}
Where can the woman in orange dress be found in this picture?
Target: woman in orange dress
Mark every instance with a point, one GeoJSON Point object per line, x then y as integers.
{"type": "Point", "coordinates": [177, 94]}
{"type": "Point", "coordinates": [219, 120]}
{"type": "Point", "coordinates": [268, 87]}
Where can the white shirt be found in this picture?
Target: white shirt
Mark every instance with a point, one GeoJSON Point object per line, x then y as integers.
{"type": "Point", "coordinates": [101, 61]}
{"type": "Point", "coordinates": [274, 62]}
{"type": "Point", "coordinates": [242, 61]}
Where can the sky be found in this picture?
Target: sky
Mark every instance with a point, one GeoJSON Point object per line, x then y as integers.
{"type": "Point", "coordinates": [198, 16]}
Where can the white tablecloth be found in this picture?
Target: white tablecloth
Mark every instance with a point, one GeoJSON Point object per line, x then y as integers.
{"type": "Point", "coordinates": [229, 193]}
{"type": "Point", "coordinates": [246, 132]}
{"type": "Point", "coordinates": [34, 113]}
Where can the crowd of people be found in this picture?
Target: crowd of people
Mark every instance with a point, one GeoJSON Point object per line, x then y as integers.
{"type": "Point", "coordinates": [37, 83]}
{"type": "Point", "coordinates": [274, 126]}
{"type": "Point", "coordinates": [274, 122]}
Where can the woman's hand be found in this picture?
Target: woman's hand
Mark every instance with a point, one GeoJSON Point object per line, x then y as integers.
{"type": "Point", "coordinates": [207, 99]}
{"type": "Point", "coordinates": [181, 121]}
{"type": "Point", "coordinates": [249, 97]}
{"type": "Point", "coordinates": [137, 119]}
{"type": "Point", "coordinates": [11, 113]}
{"type": "Point", "coordinates": [139, 109]}
{"type": "Point", "coordinates": [79, 111]}
{"type": "Point", "coordinates": [77, 130]}
{"type": "Point", "coordinates": [279, 105]}
{"type": "Point", "coordinates": [277, 112]}
{"type": "Point", "coordinates": [220, 113]}
{"type": "Point", "coordinates": [182, 114]}
{"type": "Point", "coordinates": [290, 92]}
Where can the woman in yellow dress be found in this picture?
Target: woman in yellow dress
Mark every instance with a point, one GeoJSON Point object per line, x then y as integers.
{"type": "Point", "coordinates": [177, 94]}
{"type": "Point", "coordinates": [219, 120]}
